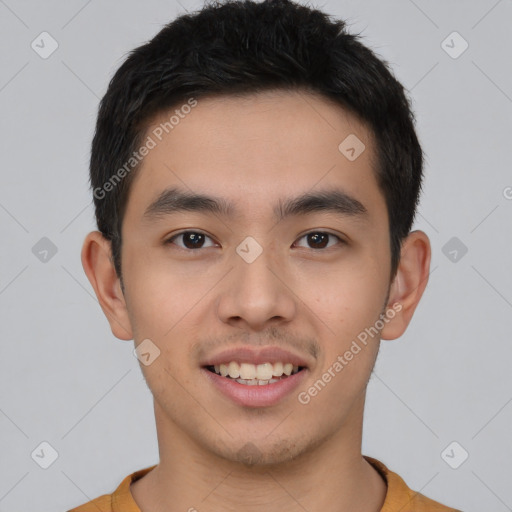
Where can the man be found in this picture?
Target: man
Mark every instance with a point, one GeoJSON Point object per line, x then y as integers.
{"type": "Point", "coordinates": [256, 172]}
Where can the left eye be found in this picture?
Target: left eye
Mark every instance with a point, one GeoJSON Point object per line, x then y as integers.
{"type": "Point", "coordinates": [319, 239]}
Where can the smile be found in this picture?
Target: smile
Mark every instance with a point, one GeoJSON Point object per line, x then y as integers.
{"type": "Point", "coordinates": [267, 384]}
{"type": "Point", "coordinates": [255, 375]}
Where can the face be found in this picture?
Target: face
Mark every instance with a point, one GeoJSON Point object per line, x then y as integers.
{"type": "Point", "coordinates": [268, 271]}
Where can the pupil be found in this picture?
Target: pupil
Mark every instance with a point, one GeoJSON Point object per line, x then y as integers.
{"type": "Point", "coordinates": [193, 236]}
{"type": "Point", "coordinates": [314, 237]}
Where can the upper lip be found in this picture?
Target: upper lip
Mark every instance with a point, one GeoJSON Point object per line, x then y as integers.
{"type": "Point", "coordinates": [255, 356]}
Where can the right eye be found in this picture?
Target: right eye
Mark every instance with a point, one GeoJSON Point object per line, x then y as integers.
{"type": "Point", "coordinates": [191, 240]}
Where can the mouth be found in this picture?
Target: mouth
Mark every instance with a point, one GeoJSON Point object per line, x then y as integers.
{"type": "Point", "coordinates": [249, 374]}
{"type": "Point", "coordinates": [255, 385]}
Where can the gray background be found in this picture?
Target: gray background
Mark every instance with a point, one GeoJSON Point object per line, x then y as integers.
{"type": "Point", "coordinates": [65, 379]}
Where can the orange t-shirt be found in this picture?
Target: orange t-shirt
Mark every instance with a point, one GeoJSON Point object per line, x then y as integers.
{"type": "Point", "coordinates": [399, 498]}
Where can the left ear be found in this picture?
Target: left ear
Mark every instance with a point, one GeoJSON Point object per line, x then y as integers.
{"type": "Point", "coordinates": [409, 283]}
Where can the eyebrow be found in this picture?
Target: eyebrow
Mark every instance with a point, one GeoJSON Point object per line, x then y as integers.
{"type": "Point", "coordinates": [173, 200]}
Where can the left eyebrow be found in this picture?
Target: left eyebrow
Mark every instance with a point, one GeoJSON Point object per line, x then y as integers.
{"type": "Point", "coordinates": [330, 200]}
{"type": "Point", "coordinates": [173, 200]}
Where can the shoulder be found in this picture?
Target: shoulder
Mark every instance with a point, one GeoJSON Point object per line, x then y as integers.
{"type": "Point", "coordinates": [120, 500]}
{"type": "Point", "coordinates": [400, 497]}
{"type": "Point", "coordinates": [100, 504]}
{"type": "Point", "coordinates": [421, 503]}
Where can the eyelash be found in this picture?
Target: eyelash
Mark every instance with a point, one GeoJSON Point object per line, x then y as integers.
{"type": "Point", "coordinates": [172, 238]}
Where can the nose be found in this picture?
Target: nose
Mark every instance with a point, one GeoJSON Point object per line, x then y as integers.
{"type": "Point", "coordinates": [257, 294]}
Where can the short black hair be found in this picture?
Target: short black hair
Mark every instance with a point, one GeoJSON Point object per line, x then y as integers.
{"type": "Point", "coordinates": [240, 47]}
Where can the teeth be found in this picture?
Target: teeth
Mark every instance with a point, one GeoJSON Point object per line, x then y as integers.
{"type": "Point", "coordinates": [234, 370]}
{"type": "Point", "coordinates": [254, 382]}
{"type": "Point", "coordinates": [278, 369]}
{"type": "Point", "coordinates": [247, 371]}
{"type": "Point", "coordinates": [223, 370]}
{"type": "Point", "coordinates": [264, 371]}
{"type": "Point", "coordinates": [252, 374]}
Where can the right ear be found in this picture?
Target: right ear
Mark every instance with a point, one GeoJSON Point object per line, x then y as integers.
{"type": "Point", "coordinates": [98, 265]}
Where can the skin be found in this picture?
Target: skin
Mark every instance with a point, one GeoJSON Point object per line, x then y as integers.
{"type": "Point", "coordinates": [253, 151]}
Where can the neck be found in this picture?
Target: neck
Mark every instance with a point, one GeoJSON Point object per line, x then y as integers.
{"type": "Point", "coordinates": [330, 477]}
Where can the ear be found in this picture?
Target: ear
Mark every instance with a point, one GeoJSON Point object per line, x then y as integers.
{"type": "Point", "coordinates": [99, 267]}
{"type": "Point", "coordinates": [409, 283]}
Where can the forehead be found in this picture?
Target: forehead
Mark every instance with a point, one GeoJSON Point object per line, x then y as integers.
{"type": "Point", "coordinates": [253, 149]}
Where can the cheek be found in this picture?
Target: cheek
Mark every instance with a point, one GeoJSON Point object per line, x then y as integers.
{"type": "Point", "coordinates": [163, 292]}
{"type": "Point", "coordinates": [345, 299]}
{"type": "Point", "coordinates": [164, 304]}
{"type": "Point", "coordinates": [346, 308]}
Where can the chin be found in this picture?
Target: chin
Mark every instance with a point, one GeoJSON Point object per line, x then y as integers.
{"type": "Point", "coordinates": [263, 453]}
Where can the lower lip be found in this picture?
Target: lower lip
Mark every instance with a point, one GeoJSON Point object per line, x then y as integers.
{"type": "Point", "coordinates": [256, 396]}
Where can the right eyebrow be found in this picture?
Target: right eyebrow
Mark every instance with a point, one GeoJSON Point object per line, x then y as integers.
{"type": "Point", "coordinates": [173, 200]}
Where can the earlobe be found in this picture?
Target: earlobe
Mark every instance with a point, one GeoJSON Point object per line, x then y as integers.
{"type": "Point", "coordinates": [98, 266]}
{"type": "Point", "coordinates": [409, 283]}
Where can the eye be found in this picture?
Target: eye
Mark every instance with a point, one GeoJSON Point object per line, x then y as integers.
{"type": "Point", "coordinates": [319, 239]}
{"type": "Point", "coordinates": [191, 240]}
